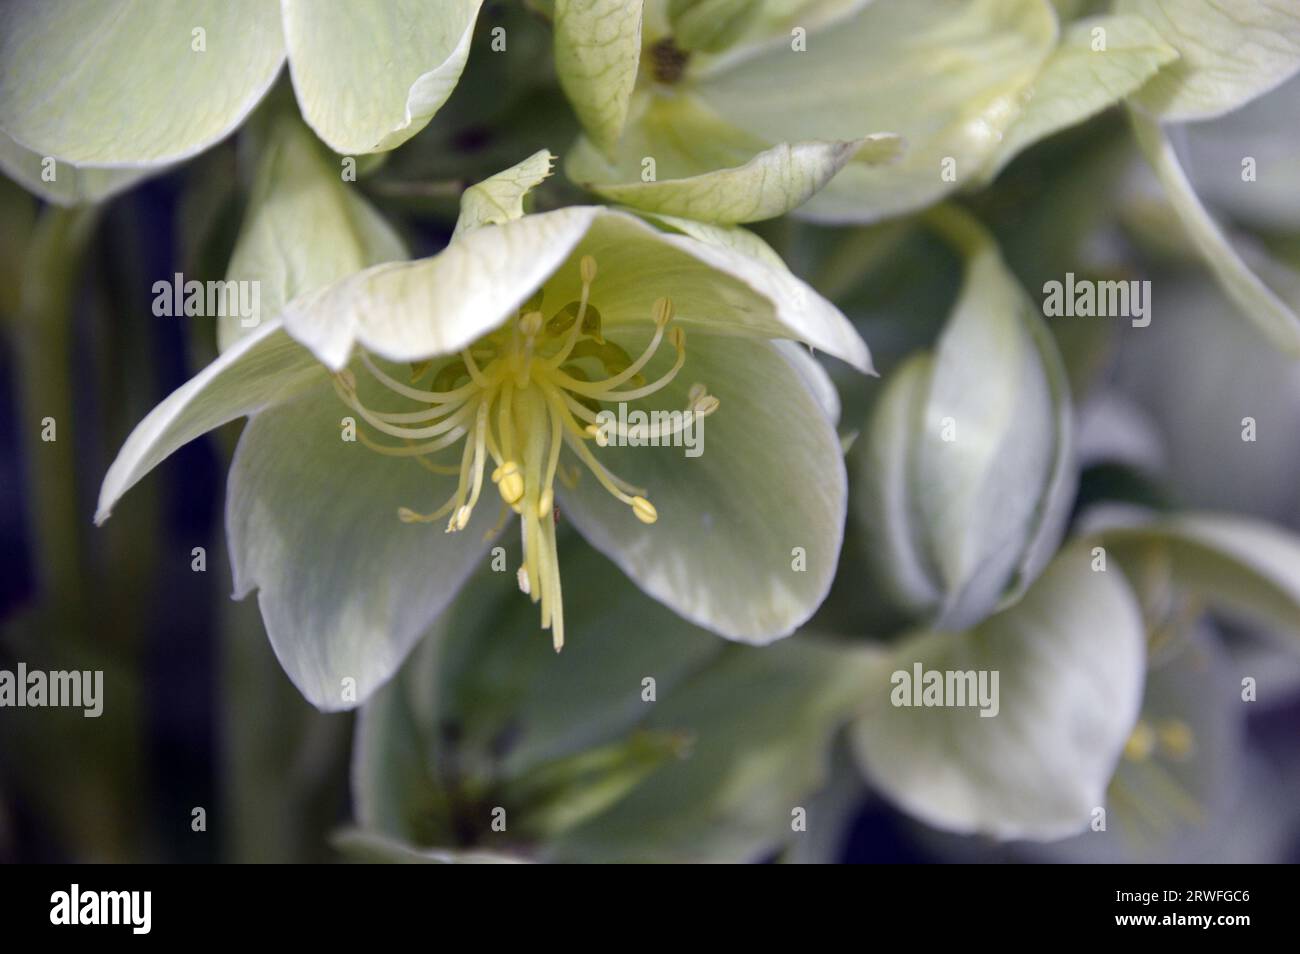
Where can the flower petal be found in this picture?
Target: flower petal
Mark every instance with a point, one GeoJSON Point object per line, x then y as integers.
{"type": "Point", "coordinates": [369, 76]}
{"type": "Point", "coordinates": [597, 52]}
{"type": "Point", "coordinates": [71, 185]}
{"type": "Point", "coordinates": [1071, 659]}
{"type": "Point", "coordinates": [1229, 54]}
{"type": "Point", "coordinates": [261, 369]}
{"type": "Point", "coordinates": [344, 587]}
{"type": "Point", "coordinates": [1080, 80]}
{"type": "Point", "coordinates": [708, 171]}
{"type": "Point", "coordinates": [305, 227]}
{"type": "Point", "coordinates": [500, 198]}
{"type": "Point", "coordinates": [1275, 315]}
{"type": "Point", "coordinates": [131, 83]}
{"type": "Point", "coordinates": [411, 311]}
{"type": "Point", "coordinates": [951, 91]}
{"type": "Point", "coordinates": [749, 531]}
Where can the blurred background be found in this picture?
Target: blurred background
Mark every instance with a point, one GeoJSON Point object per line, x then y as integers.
{"type": "Point", "coordinates": [202, 715]}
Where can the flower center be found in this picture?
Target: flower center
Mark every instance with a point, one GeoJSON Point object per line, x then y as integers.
{"type": "Point", "coordinates": [518, 396]}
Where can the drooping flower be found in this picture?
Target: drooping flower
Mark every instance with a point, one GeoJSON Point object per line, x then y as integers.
{"type": "Point", "coordinates": [114, 89]}
{"type": "Point", "coordinates": [503, 351]}
{"type": "Point", "coordinates": [749, 108]}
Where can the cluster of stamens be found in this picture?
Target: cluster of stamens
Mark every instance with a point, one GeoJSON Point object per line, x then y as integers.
{"type": "Point", "coordinates": [516, 397]}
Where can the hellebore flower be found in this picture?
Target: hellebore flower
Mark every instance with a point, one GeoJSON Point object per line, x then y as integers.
{"type": "Point", "coordinates": [113, 89]}
{"type": "Point", "coordinates": [502, 350]}
{"type": "Point", "coordinates": [722, 102]}
{"type": "Point", "coordinates": [1234, 83]}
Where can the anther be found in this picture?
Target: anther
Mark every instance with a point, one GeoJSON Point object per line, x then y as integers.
{"type": "Point", "coordinates": [663, 311]}
{"type": "Point", "coordinates": [530, 323]}
{"type": "Point", "coordinates": [644, 510]}
{"type": "Point", "coordinates": [510, 482]}
{"type": "Point", "coordinates": [587, 269]}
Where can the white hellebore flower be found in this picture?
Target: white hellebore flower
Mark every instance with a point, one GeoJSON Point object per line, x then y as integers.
{"type": "Point", "coordinates": [500, 351]}
{"type": "Point", "coordinates": [95, 94]}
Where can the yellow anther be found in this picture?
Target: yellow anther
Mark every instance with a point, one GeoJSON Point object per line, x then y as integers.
{"type": "Point", "coordinates": [459, 519]}
{"type": "Point", "coordinates": [1141, 743]}
{"type": "Point", "coordinates": [587, 269]}
{"type": "Point", "coordinates": [1176, 738]}
{"type": "Point", "coordinates": [644, 510]}
{"type": "Point", "coordinates": [663, 311]}
{"type": "Point", "coordinates": [546, 504]}
{"type": "Point", "coordinates": [531, 323]}
{"type": "Point", "coordinates": [705, 405]}
{"type": "Point", "coordinates": [510, 482]}
{"type": "Point", "coordinates": [597, 433]}
{"type": "Point", "coordinates": [522, 576]}
{"type": "Point", "coordinates": [678, 339]}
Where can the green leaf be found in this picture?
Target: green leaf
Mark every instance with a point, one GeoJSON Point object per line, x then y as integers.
{"type": "Point", "coordinates": [1271, 306]}
{"type": "Point", "coordinates": [597, 52]}
{"type": "Point", "coordinates": [370, 76]}
{"type": "Point", "coordinates": [305, 227]}
{"type": "Point", "coordinates": [132, 83]}
{"type": "Point", "coordinates": [1070, 658]}
{"type": "Point", "coordinates": [1229, 53]}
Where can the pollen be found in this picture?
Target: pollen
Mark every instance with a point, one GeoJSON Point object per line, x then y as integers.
{"type": "Point", "coordinates": [518, 397]}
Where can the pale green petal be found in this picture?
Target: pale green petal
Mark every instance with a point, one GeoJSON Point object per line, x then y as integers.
{"type": "Point", "coordinates": [1244, 565]}
{"type": "Point", "coordinates": [411, 311]}
{"type": "Point", "coordinates": [369, 76]}
{"type": "Point", "coordinates": [373, 848]}
{"type": "Point", "coordinates": [121, 83]}
{"type": "Point", "coordinates": [749, 531]}
{"type": "Point", "coordinates": [1071, 663]}
{"type": "Point", "coordinates": [1080, 80]}
{"type": "Point", "coordinates": [61, 182]}
{"type": "Point", "coordinates": [814, 377]}
{"type": "Point", "coordinates": [714, 25]}
{"type": "Point", "coordinates": [1274, 311]}
{"type": "Point", "coordinates": [416, 310]}
{"type": "Point", "coordinates": [969, 462]}
{"type": "Point", "coordinates": [733, 237]}
{"type": "Point", "coordinates": [951, 91]}
{"type": "Point", "coordinates": [1229, 53]}
{"type": "Point", "coordinates": [705, 170]}
{"type": "Point", "coordinates": [883, 496]}
{"type": "Point", "coordinates": [344, 587]}
{"type": "Point", "coordinates": [305, 227]}
{"type": "Point", "coordinates": [597, 52]}
{"type": "Point", "coordinates": [500, 198]}
{"type": "Point", "coordinates": [262, 369]}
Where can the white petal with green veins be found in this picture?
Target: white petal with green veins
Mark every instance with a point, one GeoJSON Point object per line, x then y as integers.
{"type": "Point", "coordinates": [1274, 314]}
{"type": "Point", "coordinates": [500, 198]}
{"type": "Point", "coordinates": [305, 227]}
{"type": "Point", "coordinates": [770, 479]}
{"type": "Point", "coordinates": [705, 169]}
{"type": "Point", "coordinates": [369, 76]}
{"type": "Point", "coordinates": [1080, 80]}
{"type": "Point", "coordinates": [951, 92]}
{"type": "Point", "coordinates": [597, 53]}
{"type": "Point", "coordinates": [1230, 53]}
{"type": "Point", "coordinates": [71, 184]}
{"type": "Point", "coordinates": [345, 588]}
{"type": "Point", "coordinates": [126, 82]}
{"type": "Point", "coordinates": [263, 368]}
{"type": "Point", "coordinates": [1071, 660]}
